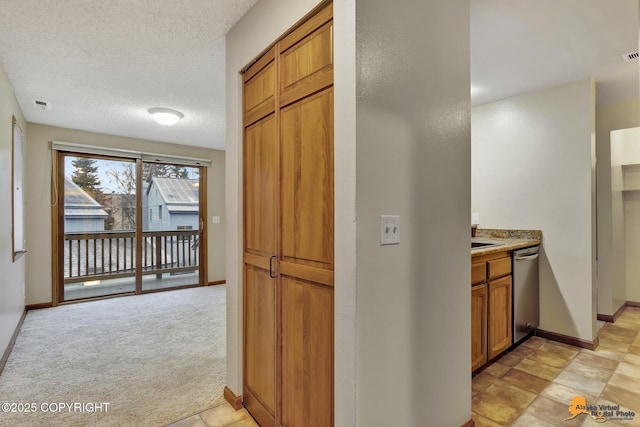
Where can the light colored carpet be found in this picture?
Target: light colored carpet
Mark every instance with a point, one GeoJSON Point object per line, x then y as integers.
{"type": "Point", "coordinates": [154, 358]}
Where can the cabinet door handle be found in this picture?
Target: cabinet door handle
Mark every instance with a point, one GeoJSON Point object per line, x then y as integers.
{"type": "Point", "coordinates": [271, 272]}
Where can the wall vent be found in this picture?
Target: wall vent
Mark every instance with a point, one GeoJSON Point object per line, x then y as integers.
{"type": "Point", "coordinates": [41, 105]}
{"type": "Point", "coordinates": [630, 56]}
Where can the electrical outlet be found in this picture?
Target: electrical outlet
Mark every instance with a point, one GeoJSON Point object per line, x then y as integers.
{"type": "Point", "coordinates": [389, 230]}
{"type": "Point", "coordinates": [216, 220]}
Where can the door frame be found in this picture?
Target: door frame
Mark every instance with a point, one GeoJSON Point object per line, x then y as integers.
{"type": "Point", "coordinates": [57, 222]}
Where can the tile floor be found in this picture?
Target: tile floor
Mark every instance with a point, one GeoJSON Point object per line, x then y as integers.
{"type": "Point", "coordinates": [222, 415]}
{"type": "Point", "coordinates": [533, 385]}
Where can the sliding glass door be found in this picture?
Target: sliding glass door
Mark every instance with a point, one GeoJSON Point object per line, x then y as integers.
{"type": "Point", "coordinates": [125, 226]}
{"type": "Point", "coordinates": [170, 226]}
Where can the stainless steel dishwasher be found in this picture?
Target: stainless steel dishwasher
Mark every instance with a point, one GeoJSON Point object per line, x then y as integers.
{"type": "Point", "coordinates": [526, 300]}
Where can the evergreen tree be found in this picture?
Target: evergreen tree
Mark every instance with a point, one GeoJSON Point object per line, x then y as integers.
{"type": "Point", "coordinates": [85, 176]}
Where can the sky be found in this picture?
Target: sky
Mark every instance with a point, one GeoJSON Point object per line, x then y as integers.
{"type": "Point", "coordinates": [106, 182]}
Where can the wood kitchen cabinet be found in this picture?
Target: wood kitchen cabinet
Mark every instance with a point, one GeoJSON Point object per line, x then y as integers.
{"type": "Point", "coordinates": [491, 307]}
{"type": "Point", "coordinates": [478, 326]}
{"type": "Point", "coordinates": [499, 316]}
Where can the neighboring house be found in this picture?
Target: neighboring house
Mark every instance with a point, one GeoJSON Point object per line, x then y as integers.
{"type": "Point", "coordinates": [171, 204]}
{"type": "Point", "coordinates": [122, 211]}
{"type": "Point", "coordinates": [81, 212]}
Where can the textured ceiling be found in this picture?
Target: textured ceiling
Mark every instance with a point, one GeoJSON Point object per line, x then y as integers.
{"type": "Point", "coordinates": [102, 64]}
{"type": "Point", "coordinates": [524, 45]}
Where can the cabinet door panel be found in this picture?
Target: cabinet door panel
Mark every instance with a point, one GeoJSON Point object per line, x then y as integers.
{"type": "Point", "coordinates": [306, 58]}
{"type": "Point", "coordinates": [478, 326]}
{"type": "Point", "coordinates": [260, 344]}
{"type": "Point", "coordinates": [499, 317]}
{"type": "Point", "coordinates": [260, 177]}
{"type": "Point", "coordinates": [260, 89]}
{"type": "Point", "coordinates": [307, 181]}
{"type": "Point", "coordinates": [307, 354]}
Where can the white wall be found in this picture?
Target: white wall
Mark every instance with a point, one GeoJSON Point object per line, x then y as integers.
{"type": "Point", "coordinates": [12, 274]}
{"type": "Point", "coordinates": [625, 149]}
{"type": "Point", "coordinates": [532, 168]}
{"type": "Point", "coordinates": [427, 374]}
{"type": "Point", "coordinates": [38, 212]}
{"type": "Point", "coordinates": [413, 159]}
{"type": "Point", "coordinates": [612, 293]}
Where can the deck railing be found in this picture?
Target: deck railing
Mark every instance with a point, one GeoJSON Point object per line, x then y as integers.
{"type": "Point", "coordinates": [112, 254]}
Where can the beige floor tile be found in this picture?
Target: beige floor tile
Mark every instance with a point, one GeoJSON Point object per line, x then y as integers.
{"type": "Point", "coordinates": [614, 331]}
{"type": "Point", "coordinates": [497, 369]}
{"type": "Point", "coordinates": [194, 421]}
{"type": "Point", "coordinates": [525, 381]}
{"type": "Point", "coordinates": [632, 358]}
{"type": "Point", "coordinates": [622, 397]}
{"type": "Point", "coordinates": [617, 421]}
{"type": "Point", "coordinates": [515, 397]}
{"type": "Point", "coordinates": [580, 383]}
{"type": "Point", "coordinates": [625, 382]}
{"type": "Point", "coordinates": [634, 349]}
{"type": "Point", "coordinates": [559, 349]}
{"type": "Point", "coordinates": [612, 345]}
{"type": "Point", "coordinates": [482, 380]}
{"type": "Point", "coordinates": [247, 422]}
{"type": "Point", "coordinates": [599, 359]}
{"type": "Point", "coordinates": [629, 370]}
{"type": "Point", "coordinates": [481, 421]}
{"type": "Point", "coordinates": [533, 368]}
{"type": "Point", "coordinates": [527, 419]}
{"type": "Point", "coordinates": [563, 394]}
{"type": "Point", "coordinates": [495, 410]}
{"type": "Point", "coordinates": [589, 370]}
{"type": "Point", "coordinates": [548, 358]}
{"type": "Point", "coordinates": [533, 342]}
{"type": "Point", "coordinates": [553, 412]}
{"type": "Point", "coordinates": [511, 359]}
{"type": "Point", "coordinates": [223, 415]}
{"type": "Point", "coordinates": [603, 352]}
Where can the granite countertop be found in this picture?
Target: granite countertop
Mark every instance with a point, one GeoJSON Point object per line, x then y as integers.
{"type": "Point", "coordinates": [505, 240]}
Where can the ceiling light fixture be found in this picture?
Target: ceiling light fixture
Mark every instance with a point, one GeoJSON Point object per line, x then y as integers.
{"type": "Point", "coordinates": [166, 116]}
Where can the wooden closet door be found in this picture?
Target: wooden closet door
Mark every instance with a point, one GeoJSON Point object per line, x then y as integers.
{"type": "Point", "coordinates": [306, 224]}
{"type": "Point", "coordinates": [260, 157]}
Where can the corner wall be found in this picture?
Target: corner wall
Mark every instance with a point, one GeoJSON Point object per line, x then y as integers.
{"type": "Point", "coordinates": [612, 292]}
{"type": "Point", "coordinates": [413, 160]}
{"type": "Point", "coordinates": [12, 274]}
{"type": "Point", "coordinates": [532, 168]}
{"type": "Point", "coordinates": [38, 210]}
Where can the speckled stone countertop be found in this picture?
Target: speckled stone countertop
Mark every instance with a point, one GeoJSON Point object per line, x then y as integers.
{"type": "Point", "coordinates": [505, 240]}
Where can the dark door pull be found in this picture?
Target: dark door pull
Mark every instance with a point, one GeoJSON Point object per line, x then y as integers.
{"type": "Point", "coordinates": [271, 272]}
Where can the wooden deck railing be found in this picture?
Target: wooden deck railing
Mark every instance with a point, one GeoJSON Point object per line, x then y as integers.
{"type": "Point", "coordinates": [112, 254]}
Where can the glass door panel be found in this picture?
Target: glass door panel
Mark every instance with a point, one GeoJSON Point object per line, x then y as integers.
{"type": "Point", "coordinates": [170, 226]}
{"type": "Point", "coordinates": [99, 230]}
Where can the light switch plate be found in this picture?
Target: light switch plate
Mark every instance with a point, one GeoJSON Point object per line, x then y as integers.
{"type": "Point", "coordinates": [475, 218]}
{"type": "Point", "coordinates": [216, 220]}
{"type": "Point", "coordinates": [389, 230]}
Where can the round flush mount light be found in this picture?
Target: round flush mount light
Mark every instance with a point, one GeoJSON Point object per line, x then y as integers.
{"type": "Point", "coordinates": [166, 116]}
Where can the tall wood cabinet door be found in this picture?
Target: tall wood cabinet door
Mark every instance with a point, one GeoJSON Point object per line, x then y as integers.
{"type": "Point", "coordinates": [499, 317]}
{"type": "Point", "coordinates": [260, 174]}
{"type": "Point", "coordinates": [307, 261]}
{"type": "Point", "coordinates": [478, 326]}
{"type": "Point", "coordinates": [307, 224]}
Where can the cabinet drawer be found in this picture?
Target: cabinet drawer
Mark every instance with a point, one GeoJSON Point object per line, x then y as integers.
{"type": "Point", "coordinates": [499, 267]}
{"type": "Point", "coordinates": [478, 272]}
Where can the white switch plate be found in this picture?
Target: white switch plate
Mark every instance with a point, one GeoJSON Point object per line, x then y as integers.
{"type": "Point", "coordinates": [389, 230]}
{"type": "Point", "coordinates": [216, 220]}
{"type": "Point", "coordinates": [475, 218]}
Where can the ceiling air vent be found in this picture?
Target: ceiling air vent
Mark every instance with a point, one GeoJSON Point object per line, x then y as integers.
{"type": "Point", "coordinates": [41, 105]}
{"type": "Point", "coordinates": [630, 56]}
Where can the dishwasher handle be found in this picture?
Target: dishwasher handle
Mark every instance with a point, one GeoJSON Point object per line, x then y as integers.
{"type": "Point", "coordinates": [526, 257]}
